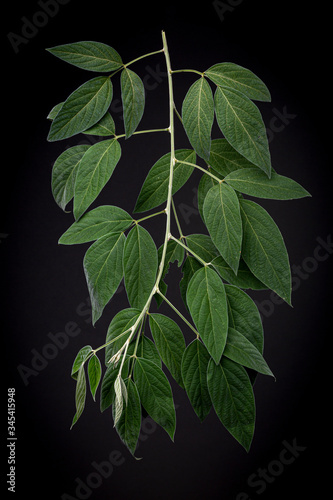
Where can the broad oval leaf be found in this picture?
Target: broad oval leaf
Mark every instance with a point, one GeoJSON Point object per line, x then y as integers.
{"type": "Point", "coordinates": [94, 374]}
{"type": "Point", "coordinates": [225, 159]}
{"type": "Point", "coordinates": [95, 224]}
{"type": "Point", "coordinates": [170, 343]}
{"type": "Point", "coordinates": [255, 183]}
{"type": "Point", "coordinates": [239, 349]}
{"type": "Point", "coordinates": [194, 372]}
{"type": "Point", "coordinates": [92, 56]}
{"type": "Point", "coordinates": [239, 78]}
{"type": "Point", "coordinates": [198, 116]}
{"type": "Point", "coordinates": [241, 124]}
{"type": "Point", "coordinates": [154, 191]}
{"type": "Point", "coordinates": [129, 423]}
{"type": "Point", "coordinates": [120, 323]}
{"type": "Point", "coordinates": [264, 250]}
{"type": "Point", "coordinates": [223, 220]}
{"type": "Point", "coordinates": [147, 350]}
{"type": "Point", "coordinates": [104, 127]}
{"type": "Point", "coordinates": [140, 266]}
{"type": "Point", "coordinates": [103, 268]}
{"type": "Point", "coordinates": [232, 396]}
{"type": "Point", "coordinates": [207, 303]}
{"type": "Point", "coordinates": [133, 99]}
{"type": "Point", "coordinates": [155, 394]}
{"type": "Point", "coordinates": [95, 169]}
{"type": "Point", "coordinates": [82, 109]}
{"type": "Point", "coordinates": [64, 174]}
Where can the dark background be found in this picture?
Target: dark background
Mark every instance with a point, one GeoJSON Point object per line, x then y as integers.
{"type": "Point", "coordinates": [43, 286]}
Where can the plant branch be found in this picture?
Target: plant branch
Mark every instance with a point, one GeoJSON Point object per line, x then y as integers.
{"type": "Point", "coordinates": [143, 132]}
{"type": "Point", "coordinates": [189, 250]}
{"type": "Point", "coordinates": [179, 313]}
{"type": "Point", "coordinates": [188, 71]}
{"type": "Point", "coordinates": [142, 57]}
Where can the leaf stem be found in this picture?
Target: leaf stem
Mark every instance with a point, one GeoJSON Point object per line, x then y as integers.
{"type": "Point", "coordinates": [179, 313]}
{"type": "Point", "coordinates": [202, 169]}
{"type": "Point", "coordinates": [188, 71]}
{"type": "Point", "coordinates": [143, 132]}
{"type": "Point", "coordinates": [149, 216]}
{"type": "Point", "coordinates": [142, 57]}
{"type": "Point", "coordinates": [177, 220]}
{"type": "Point", "coordinates": [189, 250]}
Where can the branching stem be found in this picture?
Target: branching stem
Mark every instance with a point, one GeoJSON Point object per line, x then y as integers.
{"type": "Point", "coordinates": [202, 169]}
{"type": "Point", "coordinates": [178, 312]}
{"type": "Point", "coordinates": [189, 250]}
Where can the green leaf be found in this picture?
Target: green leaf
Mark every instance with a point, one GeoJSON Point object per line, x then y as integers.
{"type": "Point", "coordinates": [118, 400]}
{"type": "Point", "coordinates": [92, 56]}
{"type": "Point", "coordinates": [239, 349]}
{"type": "Point", "coordinates": [80, 359]}
{"type": "Point", "coordinates": [94, 374]}
{"type": "Point", "coordinates": [225, 159]}
{"type": "Point", "coordinates": [191, 265]}
{"type": "Point", "coordinates": [104, 127]}
{"type": "Point", "coordinates": [64, 174]}
{"type": "Point", "coordinates": [107, 387]}
{"type": "Point", "coordinates": [82, 109]}
{"type": "Point", "coordinates": [54, 111]}
{"type": "Point", "coordinates": [255, 183]}
{"type": "Point", "coordinates": [198, 116]}
{"type": "Point", "coordinates": [223, 220]}
{"type": "Point", "coordinates": [202, 245]}
{"type": "Point", "coordinates": [140, 266]}
{"type": "Point", "coordinates": [244, 316]}
{"type": "Point", "coordinates": [95, 169]}
{"type": "Point", "coordinates": [194, 372]}
{"type": "Point", "coordinates": [103, 268]}
{"type": "Point", "coordinates": [147, 350]}
{"type": "Point", "coordinates": [236, 77]}
{"type": "Point", "coordinates": [241, 124]}
{"type": "Point", "coordinates": [155, 394]}
{"type": "Point", "coordinates": [95, 224]}
{"type": "Point", "coordinates": [170, 343]}
{"type": "Point", "coordinates": [80, 394]}
{"type": "Point", "coordinates": [264, 250]}
{"type": "Point", "coordinates": [207, 303]}
{"type": "Point", "coordinates": [206, 182]}
{"type": "Point", "coordinates": [231, 393]}
{"type": "Point", "coordinates": [133, 99]}
{"type": "Point", "coordinates": [120, 323]}
{"type": "Point", "coordinates": [243, 279]}
{"type": "Point", "coordinates": [154, 191]}
{"type": "Point", "coordinates": [129, 423]}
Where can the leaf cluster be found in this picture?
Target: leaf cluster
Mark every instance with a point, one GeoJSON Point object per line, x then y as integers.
{"type": "Point", "coordinates": [241, 249]}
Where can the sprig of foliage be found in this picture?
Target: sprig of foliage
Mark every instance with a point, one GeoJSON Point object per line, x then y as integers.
{"type": "Point", "coordinates": [242, 248]}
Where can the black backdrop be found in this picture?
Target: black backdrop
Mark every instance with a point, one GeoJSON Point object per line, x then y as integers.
{"type": "Point", "coordinates": [43, 287]}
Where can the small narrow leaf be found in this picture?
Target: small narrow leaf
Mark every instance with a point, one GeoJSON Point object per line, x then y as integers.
{"type": "Point", "coordinates": [223, 220]}
{"type": "Point", "coordinates": [129, 423]}
{"type": "Point", "coordinates": [155, 394]}
{"type": "Point", "coordinates": [82, 109]}
{"type": "Point", "coordinates": [231, 393]}
{"type": "Point", "coordinates": [255, 183]}
{"type": "Point", "coordinates": [92, 56]}
{"type": "Point", "coordinates": [154, 191]}
{"type": "Point", "coordinates": [64, 174]}
{"type": "Point", "coordinates": [107, 388]}
{"type": "Point", "coordinates": [198, 116]}
{"type": "Point", "coordinates": [191, 265]}
{"type": "Point", "coordinates": [264, 250]}
{"type": "Point", "coordinates": [241, 124]}
{"type": "Point", "coordinates": [94, 374]}
{"type": "Point", "coordinates": [95, 169]}
{"type": "Point", "coordinates": [80, 359]}
{"type": "Point", "coordinates": [205, 184]}
{"type": "Point", "coordinates": [80, 394]}
{"type": "Point", "coordinates": [103, 268]}
{"type": "Point", "coordinates": [140, 266]}
{"type": "Point", "coordinates": [239, 78]}
{"type": "Point", "coordinates": [207, 303]}
{"type": "Point", "coordinates": [239, 349]}
{"type": "Point", "coordinates": [133, 99]}
{"type": "Point", "coordinates": [170, 343]}
{"type": "Point", "coordinates": [118, 401]}
{"type": "Point", "coordinates": [95, 224]}
{"type": "Point", "coordinates": [194, 372]}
